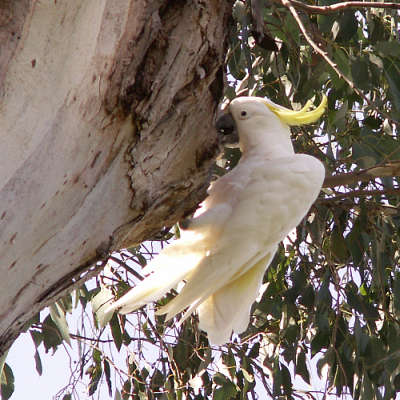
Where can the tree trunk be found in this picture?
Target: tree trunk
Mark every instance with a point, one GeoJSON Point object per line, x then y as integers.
{"type": "Point", "coordinates": [106, 114]}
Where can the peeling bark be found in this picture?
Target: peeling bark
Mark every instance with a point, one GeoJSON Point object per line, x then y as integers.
{"type": "Point", "coordinates": [106, 113]}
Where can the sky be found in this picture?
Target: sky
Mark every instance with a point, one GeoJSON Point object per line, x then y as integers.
{"type": "Point", "coordinates": [28, 383]}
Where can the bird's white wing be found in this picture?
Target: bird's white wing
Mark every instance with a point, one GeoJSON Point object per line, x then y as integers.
{"type": "Point", "coordinates": [176, 261]}
{"type": "Point", "coordinates": [166, 271]}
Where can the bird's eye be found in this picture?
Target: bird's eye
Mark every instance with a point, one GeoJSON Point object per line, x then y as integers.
{"type": "Point", "coordinates": [243, 113]}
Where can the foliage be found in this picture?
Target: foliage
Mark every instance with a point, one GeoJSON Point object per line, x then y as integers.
{"type": "Point", "coordinates": [331, 297]}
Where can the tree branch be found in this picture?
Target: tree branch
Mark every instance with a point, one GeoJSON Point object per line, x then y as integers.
{"type": "Point", "coordinates": [360, 193]}
{"type": "Point", "coordinates": [391, 168]}
{"type": "Point", "coordinates": [289, 4]}
{"type": "Point", "coordinates": [372, 207]}
{"type": "Point", "coordinates": [127, 267]}
{"type": "Point", "coordinates": [342, 6]}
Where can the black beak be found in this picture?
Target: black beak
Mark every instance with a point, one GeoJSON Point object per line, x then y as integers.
{"type": "Point", "coordinates": [226, 129]}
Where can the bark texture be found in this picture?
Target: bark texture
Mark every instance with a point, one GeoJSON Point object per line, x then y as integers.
{"type": "Point", "coordinates": [106, 114]}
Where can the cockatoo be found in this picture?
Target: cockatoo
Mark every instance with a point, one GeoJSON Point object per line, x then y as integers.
{"type": "Point", "coordinates": [226, 248]}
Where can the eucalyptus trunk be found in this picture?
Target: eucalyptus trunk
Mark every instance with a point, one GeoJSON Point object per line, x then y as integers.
{"type": "Point", "coordinates": [106, 114]}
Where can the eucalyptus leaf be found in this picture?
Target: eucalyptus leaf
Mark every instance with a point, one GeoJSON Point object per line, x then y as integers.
{"type": "Point", "coordinates": [58, 316]}
{"type": "Point", "coordinates": [99, 303]}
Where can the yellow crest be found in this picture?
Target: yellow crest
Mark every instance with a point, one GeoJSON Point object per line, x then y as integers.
{"type": "Point", "coordinates": [301, 117]}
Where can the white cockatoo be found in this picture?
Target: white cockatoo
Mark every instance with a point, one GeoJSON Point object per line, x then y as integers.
{"type": "Point", "coordinates": [226, 248]}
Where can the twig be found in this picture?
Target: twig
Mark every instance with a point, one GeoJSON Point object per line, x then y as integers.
{"type": "Point", "coordinates": [171, 360]}
{"type": "Point", "coordinates": [371, 207]}
{"type": "Point", "coordinates": [79, 337]}
{"type": "Point", "coordinates": [127, 267]}
{"type": "Point", "coordinates": [289, 5]}
{"type": "Point", "coordinates": [333, 8]}
{"type": "Point", "coordinates": [360, 193]}
{"type": "Point", "coordinates": [386, 169]}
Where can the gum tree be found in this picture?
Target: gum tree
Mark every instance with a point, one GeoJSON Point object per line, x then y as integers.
{"type": "Point", "coordinates": [329, 312]}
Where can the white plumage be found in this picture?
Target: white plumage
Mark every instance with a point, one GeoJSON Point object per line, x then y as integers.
{"type": "Point", "coordinates": [232, 238]}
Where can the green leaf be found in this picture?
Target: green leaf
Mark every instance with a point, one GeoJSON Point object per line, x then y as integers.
{"type": "Point", "coordinates": [307, 297]}
{"type": "Point", "coordinates": [357, 302]}
{"type": "Point", "coordinates": [324, 297]}
{"type": "Point", "coordinates": [374, 355]}
{"type": "Point", "coordinates": [97, 356]}
{"type": "Point", "coordinates": [392, 73]}
{"type": "Point", "coordinates": [360, 73]}
{"type": "Point", "coordinates": [38, 363]}
{"type": "Point", "coordinates": [51, 335]}
{"type": "Point", "coordinates": [338, 246]}
{"type": "Point", "coordinates": [338, 118]}
{"type": "Point", "coordinates": [116, 331]}
{"type": "Point", "coordinates": [66, 303]}
{"type": "Point", "coordinates": [277, 379]}
{"type": "Point", "coordinates": [158, 379]}
{"type": "Point", "coordinates": [376, 28]}
{"type": "Point", "coordinates": [325, 23]}
{"type": "Point", "coordinates": [7, 382]}
{"type": "Point", "coordinates": [301, 367]}
{"type": "Point", "coordinates": [228, 389]}
{"type": "Point", "coordinates": [37, 337]}
{"type": "Point", "coordinates": [348, 26]}
{"type": "Point", "coordinates": [95, 373]}
{"type": "Point", "coordinates": [254, 351]}
{"type": "Point", "coordinates": [367, 391]}
{"type": "Point", "coordinates": [343, 63]}
{"type": "Point", "coordinates": [99, 304]}
{"type": "Point", "coordinates": [362, 339]}
{"type": "Point", "coordinates": [354, 242]}
{"type": "Point", "coordinates": [229, 360]}
{"type": "Point", "coordinates": [396, 293]}
{"type": "Point", "coordinates": [126, 389]}
{"type": "Point", "coordinates": [220, 379]}
{"type": "Point", "coordinates": [224, 393]}
{"type": "Point", "coordinates": [84, 295]}
{"type": "Point", "coordinates": [107, 373]}
{"type": "Point", "coordinates": [249, 377]}
{"type": "Point", "coordinates": [328, 360]}
{"type": "Point", "coordinates": [286, 380]}
{"type": "Point", "coordinates": [3, 361]}
{"type": "Point", "coordinates": [320, 341]}
{"type": "Point", "coordinates": [388, 48]}
{"type": "Point", "coordinates": [58, 316]}
{"type": "Point", "coordinates": [117, 395]}
{"type": "Point", "coordinates": [364, 155]}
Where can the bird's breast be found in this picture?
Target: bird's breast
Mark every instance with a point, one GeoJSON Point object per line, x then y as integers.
{"type": "Point", "coordinates": [278, 195]}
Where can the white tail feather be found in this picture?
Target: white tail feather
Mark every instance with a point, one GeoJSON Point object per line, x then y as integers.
{"type": "Point", "coordinates": [228, 309]}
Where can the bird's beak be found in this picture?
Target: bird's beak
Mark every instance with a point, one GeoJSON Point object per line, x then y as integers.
{"type": "Point", "coordinates": [227, 130]}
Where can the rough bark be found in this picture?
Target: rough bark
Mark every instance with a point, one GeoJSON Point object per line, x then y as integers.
{"type": "Point", "coordinates": [106, 113]}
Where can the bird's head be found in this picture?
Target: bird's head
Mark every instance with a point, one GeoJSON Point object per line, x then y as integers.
{"type": "Point", "coordinates": [252, 114]}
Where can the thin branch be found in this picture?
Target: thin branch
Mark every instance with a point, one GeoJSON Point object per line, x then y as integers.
{"type": "Point", "coordinates": [371, 207]}
{"type": "Point", "coordinates": [333, 8]}
{"type": "Point", "coordinates": [361, 193]}
{"type": "Point", "coordinates": [386, 169]}
{"type": "Point", "coordinates": [289, 4]}
{"type": "Point", "coordinates": [79, 337]}
{"type": "Point", "coordinates": [127, 267]}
